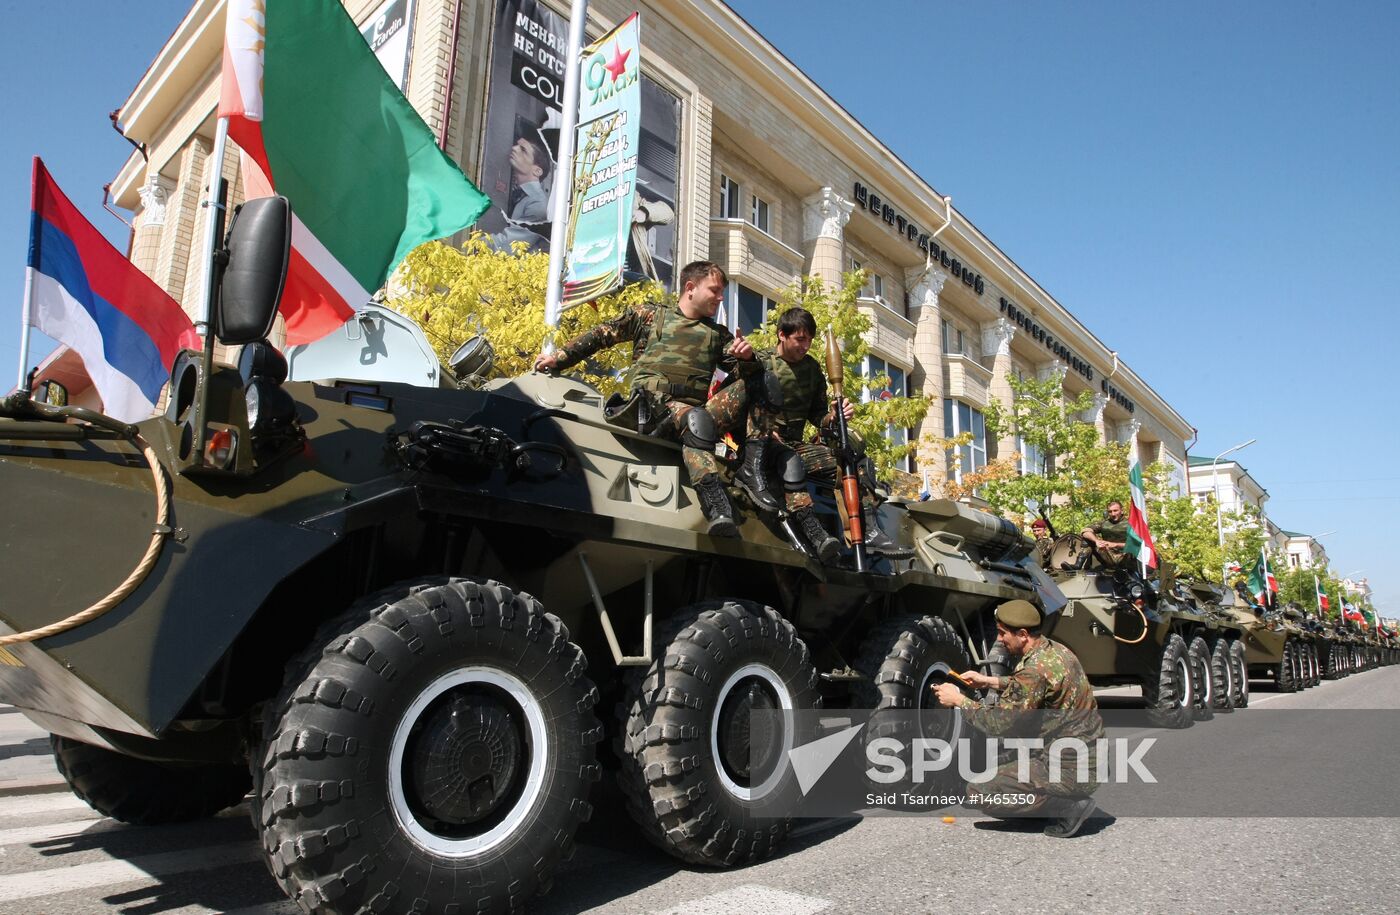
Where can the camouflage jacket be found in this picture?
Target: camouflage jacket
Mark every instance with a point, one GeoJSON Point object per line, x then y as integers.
{"type": "Point", "coordinates": [804, 394]}
{"type": "Point", "coordinates": [1113, 531]}
{"type": "Point", "coordinates": [1047, 679]}
{"type": "Point", "coordinates": [671, 354]}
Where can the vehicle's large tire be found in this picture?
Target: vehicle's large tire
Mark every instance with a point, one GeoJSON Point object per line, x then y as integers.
{"type": "Point", "coordinates": [147, 793]}
{"type": "Point", "coordinates": [1286, 679]}
{"type": "Point", "coordinates": [1222, 671]}
{"type": "Point", "coordinates": [687, 759]}
{"type": "Point", "coordinates": [1314, 666]}
{"type": "Point", "coordinates": [1241, 678]}
{"type": "Point", "coordinates": [1170, 695]}
{"type": "Point", "coordinates": [433, 749]}
{"type": "Point", "coordinates": [1207, 686]}
{"type": "Point", "coordinates": [900, 657]}
{"type": "Point", "coordinates": [1329, 666]}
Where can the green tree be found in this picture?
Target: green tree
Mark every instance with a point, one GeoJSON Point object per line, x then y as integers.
{"type": "Point", "coordinates": [1082, 473]}
{"type": "Point", "coordinates": [454, 293]}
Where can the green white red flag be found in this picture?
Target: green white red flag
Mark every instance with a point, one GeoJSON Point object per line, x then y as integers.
{"type": "Point", "coordinates": [1139, 537]}
{"type": "Point", "coordinates": [308, 102]}
{"type": "Point", "coordinates": [1261, 580]}
{"type": "Point", "coordinates": [1322, 602]}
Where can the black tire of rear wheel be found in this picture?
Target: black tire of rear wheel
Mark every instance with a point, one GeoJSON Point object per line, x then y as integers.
{"type": "Point", "coordinates": [1221, 669]}
{"type": "Point", "coordinates": [147, 793]}
{"type": "Point", "coordinates": [1207, 686]}
{"type": "Point", "coordinates": [1169, 700]}
{"type": "Point", "coordinates": [668, 770]}
{"type": "Point", "coordinates": [323, 803]}
{"type": "Point", "coordinates": [1237, 658]}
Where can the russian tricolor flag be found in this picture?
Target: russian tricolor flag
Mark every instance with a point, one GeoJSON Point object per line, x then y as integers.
{"type": "Point", "coordinates": [84, 293]}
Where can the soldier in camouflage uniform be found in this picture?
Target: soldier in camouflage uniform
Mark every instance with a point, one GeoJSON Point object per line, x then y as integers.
{"type": "Point", "coordinates": [1046, 696]}
{"type": "Point", "coordinates": [792, 395]}
{"type": "Point", "coordinates": [675, 351]}
{"type": "Point", "coordinates": [1110, 534]}
{"type": "Point", "coordinates": [1040, 530]}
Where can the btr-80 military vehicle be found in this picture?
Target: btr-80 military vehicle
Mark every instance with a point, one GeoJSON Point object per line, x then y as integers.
{"type": "Point", "coordinates": [1127, 629]}
{"type": "Point", "coordinates": [405, 611]}
{"type": "Point", "coordinates": [1278, 646]}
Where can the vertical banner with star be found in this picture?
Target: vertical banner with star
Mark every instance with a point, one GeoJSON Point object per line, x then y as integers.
{"type": "Point", "coordinates": [605, 164]}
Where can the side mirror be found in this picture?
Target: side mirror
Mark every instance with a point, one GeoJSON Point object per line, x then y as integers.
{"type": "Point", "coordinates": [259, 247]}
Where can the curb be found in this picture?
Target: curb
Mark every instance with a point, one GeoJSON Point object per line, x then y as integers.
{"type": "Point", "coordinates": [32, 786]}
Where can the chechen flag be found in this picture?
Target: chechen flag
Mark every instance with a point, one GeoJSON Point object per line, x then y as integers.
{"type": "Point", "coordinates": [309, 103]}
{"type": "Point", "coordinates": [1322, 603]}
{"type": "Point", "coordinates": [1139, 537]}
{"type": "Point", "coordinates": [86, 294]}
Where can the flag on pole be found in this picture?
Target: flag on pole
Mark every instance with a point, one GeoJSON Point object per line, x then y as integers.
{"type": "Point", "coordinates": [1350, 612]}
{"type": "Point", "coordinates": [312, 107]}
{"type": "Point", "coordinates": [1261, 580]}
{"type": "Point", "coordinates": [1139, 537]}
{"type": "Point", "coordinates": [1322, 603]}
{"type": "Point", "coordinates": [86, 294]}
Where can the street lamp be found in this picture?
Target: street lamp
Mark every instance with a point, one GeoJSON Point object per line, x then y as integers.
{"type": "Point", "coordinates": [1215, 486]}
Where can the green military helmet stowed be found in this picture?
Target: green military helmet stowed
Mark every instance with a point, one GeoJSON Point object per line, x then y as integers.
{"type": "Point", "coordinates": [1018, 614]}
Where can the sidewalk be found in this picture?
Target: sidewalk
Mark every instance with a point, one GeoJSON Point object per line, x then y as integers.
{"type": "Point", "coordinates": [26, 763]}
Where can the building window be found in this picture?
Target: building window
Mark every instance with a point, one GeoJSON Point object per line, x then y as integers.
{"type": "Point", "coordinates": [751, 309]}
{"type": "Point", "coordinates": [898, 387]}
{"type": "Point", "coordinates": [729, 198]}
{"type": "Point", "coordinates": [952, 339]}
{"type": "Point", "coordinates": [758, 212]}
{"type": "Point", "coordinates": [1293, 560]}
{"type": "Point", "coordinates": [958, 418]}
{"type": "Point", "coordinates": [1032, 460]}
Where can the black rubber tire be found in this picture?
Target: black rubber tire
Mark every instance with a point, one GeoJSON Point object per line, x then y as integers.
{"type": "Point", "coordinates": [669, 771]}
{"type": "Point", "coordinates": [333, 826]}
{"type": "Point", "coordinates": [1329, 666]}
{"type": "Point", "coordinates": [1222, 672]}
{"type": "Point", "coordinates": [1314, 665]}
{"type": "Point", "coordinates": [1169, 697]}
{"type": "Point", "coordinates": [896, 656]}
{"type": "Point", "coordinates": [1286, 677]}
{"type": "Point", "coordinates": [147, 793]}
{"type": "Point", "coordinates": [1241, 680]}
{"type": "Point", "coordinates": [1207, 686]}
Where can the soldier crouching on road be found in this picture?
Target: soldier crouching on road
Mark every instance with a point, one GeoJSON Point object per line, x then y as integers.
{"type": "Point", "coordinates": [1049, 684]}
{"type": "Point", "coordinates": [675, 351]}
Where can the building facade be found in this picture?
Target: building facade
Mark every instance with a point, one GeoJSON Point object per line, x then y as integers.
{"type": "Point", "coordinates": [751, 164]}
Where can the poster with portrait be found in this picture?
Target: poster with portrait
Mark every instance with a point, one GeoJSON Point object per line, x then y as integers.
{"type": "Point", "coordinates": [525, 97]}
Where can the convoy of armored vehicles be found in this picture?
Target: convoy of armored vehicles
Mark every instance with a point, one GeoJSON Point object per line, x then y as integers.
{"type": "Point", "coordinates": [418, 623]}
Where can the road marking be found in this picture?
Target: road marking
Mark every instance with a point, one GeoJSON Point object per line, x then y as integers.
{"type": "Point", "coordinates": [30, 804]}
{"type": "Point", "coordinates": [751, 897]}
{"type": "Point", "coordinates": [142, 868]}
{"type": "Point", "coordinates": [26, 834]}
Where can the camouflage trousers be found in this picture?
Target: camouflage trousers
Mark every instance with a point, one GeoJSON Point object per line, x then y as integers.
{"type": "Point", "coordinates": [818, 460]}
{"type": "Point", "coordinates": [1006, 797]}
{"type": "Point", "coordinates": [726, 408]}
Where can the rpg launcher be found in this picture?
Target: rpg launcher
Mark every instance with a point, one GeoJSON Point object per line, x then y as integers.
{"type": "Point", "coordinates": [850, 484]}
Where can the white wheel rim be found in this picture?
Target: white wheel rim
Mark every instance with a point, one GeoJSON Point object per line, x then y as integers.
{"type": "Point", "coordinates": [1187, 694]}
{"type": "Point", "coordinates": [1229, 669]}
{"type": "Point", "coordinates": [534, 779]}
{"type": "Point", "coordinates": [764, 788]}
{"type": "Point", "coordinates": [942, 667]}
{"type": "Point", "coordinates": [1207, 687]}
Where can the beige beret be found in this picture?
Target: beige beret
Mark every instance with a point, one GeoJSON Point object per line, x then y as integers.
{"type": "Point", "coordinates": [1018, 614]}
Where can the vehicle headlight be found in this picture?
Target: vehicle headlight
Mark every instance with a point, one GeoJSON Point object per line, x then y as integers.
{"type": "Point", "coordinates": [1135, 591]}
{"type": "Point", "coordinates": [269, 407]}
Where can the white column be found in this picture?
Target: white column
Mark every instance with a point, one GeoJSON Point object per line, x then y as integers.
{"type": "Point", "coordinates": [925, 284]}
{"type": "Point", "coordinates": [996, 344]}
{"type": "Point", "coordinates": [824, 218]}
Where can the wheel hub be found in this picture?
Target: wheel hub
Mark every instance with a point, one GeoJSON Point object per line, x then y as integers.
{"type": "Point", "coordinates": [750, 746]}
{"type": "Point", "coordinates": [463, 759]}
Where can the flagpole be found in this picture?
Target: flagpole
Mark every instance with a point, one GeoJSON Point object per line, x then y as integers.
{"type": "Point", "coordinates": [23, 386]}
{"type": "Point", "coordinates": [564, 171]}
{"type": "Point", "coordinates": [211, 227]}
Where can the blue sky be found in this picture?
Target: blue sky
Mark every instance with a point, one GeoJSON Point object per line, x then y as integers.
{"type": "Point", "coordinates": [1210, 188]}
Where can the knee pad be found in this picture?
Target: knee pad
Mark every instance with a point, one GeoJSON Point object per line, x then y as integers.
{"type": "Point", "coordinates": [768, 390]}
{"type": "Point", "coordinates": [700, 431]}
{"type": "Point", "coordinates": [794, 472]}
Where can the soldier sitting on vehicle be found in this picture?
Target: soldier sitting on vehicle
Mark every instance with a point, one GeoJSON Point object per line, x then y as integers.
{"type": "Point", "coordinates": [1050, 682]}
{"type": "Point", "coordinates": [792, 395]}
{"type": "Point", "coordinates": [1111, 534]}
{"type": "Point", "coordinates": [675, 351]}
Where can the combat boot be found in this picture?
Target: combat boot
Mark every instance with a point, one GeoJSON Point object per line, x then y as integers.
{"type": "Point", "coordinates": [752, 475]}
{"type": "Point", "coordinates": [714, 504]}
{"type": "Point", "coordinates": [878, 542]}
{"type": "Point", "coordinates": [827, 546]}
{"type": "Point", "coordinates": [1068, 816]}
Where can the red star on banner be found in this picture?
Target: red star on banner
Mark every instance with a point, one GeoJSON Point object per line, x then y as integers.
{"type": "Point", "coordinates": [618, 63]}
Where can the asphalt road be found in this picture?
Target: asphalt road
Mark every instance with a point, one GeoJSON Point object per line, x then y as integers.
{"type": "Point", "coordinates": [56, 855]}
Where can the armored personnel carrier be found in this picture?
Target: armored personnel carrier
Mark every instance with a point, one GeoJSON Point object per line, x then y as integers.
{"type": "Point", "coordinates": [1130, 630]}
{"type": "Point", "coordinates": [403, 615]}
